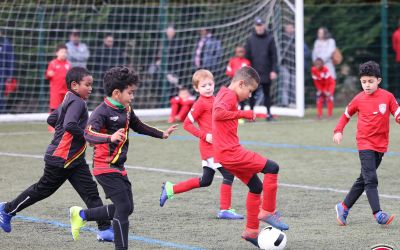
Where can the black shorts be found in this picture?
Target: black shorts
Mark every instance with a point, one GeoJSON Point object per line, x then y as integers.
{"type": "Point", "coordinates": [114, 183]}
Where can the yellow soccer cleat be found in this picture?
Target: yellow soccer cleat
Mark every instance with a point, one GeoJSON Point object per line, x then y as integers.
{"type": "Point", "coordinates": [76, 221]}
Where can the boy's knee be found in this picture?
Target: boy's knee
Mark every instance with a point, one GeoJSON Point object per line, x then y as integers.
{"type": "Point", "coordinates": [205, 182]}
{"type": "Point", "coordinates": [255, 185]}
{"type": "Point", "coordinates": [271, 167]}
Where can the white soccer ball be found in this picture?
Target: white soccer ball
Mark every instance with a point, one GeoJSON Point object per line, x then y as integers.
{"type": "Point", "coordinates": [271, 238]}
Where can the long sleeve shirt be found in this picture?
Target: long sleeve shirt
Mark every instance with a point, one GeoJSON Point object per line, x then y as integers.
{"type": "Point", "coordinates": [67, 149]}
{"type": "Point", "coordinates": [201, 114]}
{"type": "Point", "coordinates": [105, 120]}
{"type": "Point", "coordinates": [396, 44]}
{"type": "Point", "coordinates": [373, 119]}
{"type": "Point", "coordinates": [57, 81]}
{"type": "Point", "coordinates": [321, 77]}
{"type": "Point", "coordinates": [234, 64]}
{"type": "Point", "coordinates": [78, 55]}
{"type": "Point", "coordinates": [324, 49]}
{"type": "Point", "coordinates": [225, 115]}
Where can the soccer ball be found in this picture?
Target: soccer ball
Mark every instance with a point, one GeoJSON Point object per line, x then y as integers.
{"type": "Point", "coordinates": [271, 238]}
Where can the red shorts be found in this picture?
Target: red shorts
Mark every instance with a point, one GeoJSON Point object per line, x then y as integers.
{"type": "Point", "coordinates": [248, 163]}
{"type": "Point", "coordinates": [56, 98]}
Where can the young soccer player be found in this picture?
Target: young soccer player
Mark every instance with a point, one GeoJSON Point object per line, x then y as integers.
{"type": "Point", "coordinates": [374, 106]}
{"type": "Point", "coordinates": [181, 105]}
{"type": "Point", "coordinates": [108, 130]}
{"type": "Point", "coordinates": [203, 83]}
{"type": "Point", "coordinates": [325, 85]}
{"type": "Point", "coordinates": [65, 156]}
{"type": "Point", "coordinates": [243, 163]}
{"type": "Point", "coordinates": [237, 61]}
{"type": "Point", "coordinates": [55, 73]}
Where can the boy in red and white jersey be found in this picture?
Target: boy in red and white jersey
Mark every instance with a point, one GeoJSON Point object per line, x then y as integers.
{"type": "Point", "coordinates": [325, 85]}
{"type": "Point", "coordinates": [374, 106]}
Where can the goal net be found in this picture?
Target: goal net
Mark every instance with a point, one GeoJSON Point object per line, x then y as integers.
{"type": "Point", "coordinates": [139, 34]}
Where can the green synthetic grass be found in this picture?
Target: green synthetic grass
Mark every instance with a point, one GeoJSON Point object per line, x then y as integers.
{"type": "Point", "coordinates": [189, 219]}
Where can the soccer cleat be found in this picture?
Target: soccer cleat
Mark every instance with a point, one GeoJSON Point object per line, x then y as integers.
{"type": "Point", "coordinates": [229, 214]}
{"type": "Point", "coordinates": [341, 214]}
{"type": "Point", "coordinates": [106, 235]}
{"type": "Point", "coordinates": [167, 192]}
{"type": "Point", "coordinates": [274, 219]}
{"type": "Point", "coordinates": [251, 235]}
{"type": "Point", "coordinates": [383, 218]}
{"type": "Point", "coordinates": [5, 219]}
{"type": "Point", "coordinates": [76, 222]}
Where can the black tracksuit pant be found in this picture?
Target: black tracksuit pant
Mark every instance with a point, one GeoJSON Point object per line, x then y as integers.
{"type": "Point", "coordinates": [368, 180]}
{"type": "Point", "coordinates": [53, 177]}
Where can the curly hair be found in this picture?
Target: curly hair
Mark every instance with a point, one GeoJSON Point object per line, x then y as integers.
{"type": "Point", "coordinates": [370, 68]}
{"type": "Point", "coordinates": [119, 77]}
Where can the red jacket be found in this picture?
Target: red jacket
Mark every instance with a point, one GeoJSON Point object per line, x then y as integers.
{"type": "Point", "coordinates": [57, 81]}
{"type": "Point", "coordinates": [373, 119]}
{"type": "Point", "coordinates": [396, 44]}
{"type": "Point", "coordinates": [321, 78]}
{"type": "Point", "coordinates": [234, 64]}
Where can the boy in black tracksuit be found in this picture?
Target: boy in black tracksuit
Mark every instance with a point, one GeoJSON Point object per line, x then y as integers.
{"type": "Point", "coordinates": [108, 130]}
{"type": "Point", "coordinates": [65, 156]}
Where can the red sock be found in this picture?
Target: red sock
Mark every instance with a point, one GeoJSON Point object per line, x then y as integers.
{"type": "Point", "coordinates": [225, 196]}
{"type": "Point", "coordinates": [270, 187]}
{"type": "Point", "coordinates": [253, 208]}
{"type": "Point", "coordinates": [330, 106]}
{"type": "Point", "coordinates": [344, 206]}
{"type": "Point", "coordinates": [186, 185]}
{"type": "Point", "coordinates": [320, 104]}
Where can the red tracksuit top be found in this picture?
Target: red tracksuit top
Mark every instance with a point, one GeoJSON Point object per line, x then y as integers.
{"type": "Point", "coordinates": [321, 78]}
{"type": "Point", "coordinates": [373, 119]}
{"type": "Point", "coordinates": [57, 81]}
{"type": "Point", "coordinates": [396, 44]}
{"type": "Point", "coordinates": [225, 115]}
{"type": "Point", "coordinates": [201, 113]}
{"type": "Point", "coordinates": [234, 64]}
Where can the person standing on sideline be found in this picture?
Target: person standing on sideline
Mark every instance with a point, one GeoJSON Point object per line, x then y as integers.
{"type": "Point", "coordinates": [6, 66]}
{"type": "Point", "coordinates": [261, 52]}
{"type": "Point", "coordinates": [208, 52]}
{"type": "Point", "coordinates": [78, 53]}
{"type": "Point", "coordinates": [324, 46]}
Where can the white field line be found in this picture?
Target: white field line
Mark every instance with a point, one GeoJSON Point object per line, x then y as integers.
{"type": "Point", "coordinates": [169, 171]}
{"type": "Point", "coordinates": [23, 133]}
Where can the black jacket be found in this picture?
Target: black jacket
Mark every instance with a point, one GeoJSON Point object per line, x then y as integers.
{"type": "Point", "coordinates": [261, 52]}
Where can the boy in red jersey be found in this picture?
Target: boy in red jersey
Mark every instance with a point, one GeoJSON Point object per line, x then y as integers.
{"type": "Point", "coordinates": [108, 130]}
{"type": "Point", "coordinates": [181, 105]}
{"type": "Point", "coordinates": [245, 164]}
{"type": "Point", "coordinates": [203, 83]}
{"type": "Point", "coordinates": [237, 62]}
{"type": "Point", "coordinates": [55, 73]}
{"type": "Point", "coordinates": [374, 106]}
{"type": "Point", "coordinates": [325, 85]}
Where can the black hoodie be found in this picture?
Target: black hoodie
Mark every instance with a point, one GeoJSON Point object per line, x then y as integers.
{"type": "Point", "coordinates": [261, 52]}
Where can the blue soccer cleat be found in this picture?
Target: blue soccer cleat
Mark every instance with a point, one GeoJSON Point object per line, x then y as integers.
{"type": "Point", "coordinates": [167, 192]}
{"type": "Point", "coordinates": [383, 218]}
{"type": "Point", "coordinates": [251, 235]}
{"type": "Point", "coordinates": [274, 219]}
{"type": "Point", "coordinates": [106, 235]}
{"type": "Point", "coordinates": [341, 214]}
{"type": "Point", "coordinates": [5, 219]}
{"type": "Point", "coordinates": [229, 214]}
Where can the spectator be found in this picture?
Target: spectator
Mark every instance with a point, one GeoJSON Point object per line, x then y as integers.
{"type": "Point", "coordinates": [104, 57]}
{"type": "Point", "coordinates": [56, 73]}
{"type": "Point", "coordinates": [208, 52]}
{"type": "Point", "coordinates": [261, 52]}
{"type": "Point", "coordinates": [181, 105]}
{"type": "Point", "coordinates": [6, 66]}
{"type": "Point", "coordinates": [287, 70]}
{"type": "Point", "coordinates": [78, 53]}
{"type": "Point", "coordinates": [236, 63]}
{"type": "Point", "coordinates": [396, 48]}
{"type": "Point", "coordinates": [324, 46]}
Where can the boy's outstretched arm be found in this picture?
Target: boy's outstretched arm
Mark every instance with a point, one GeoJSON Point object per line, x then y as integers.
{"type": "Point", "coordinates": [142, 128]}
{"type": "Point", "coordinates": [221, 112]}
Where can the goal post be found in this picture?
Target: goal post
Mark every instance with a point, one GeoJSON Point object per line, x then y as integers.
{"type": "Point", "coordinates": [140, 40]}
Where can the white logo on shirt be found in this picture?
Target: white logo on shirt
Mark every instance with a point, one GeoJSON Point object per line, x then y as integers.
{"type": "Point", "coordinates": [382, 108]}
{"type": "Point", "coordinates": [114, 118]}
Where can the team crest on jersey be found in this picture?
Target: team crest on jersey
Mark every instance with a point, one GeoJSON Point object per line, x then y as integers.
{"type": "Point", "coordinates": [382, 108]}
{"type": "Point", "coordinates": [382, 247]}
{"type": "Point", "coordinates": [114, 118]}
